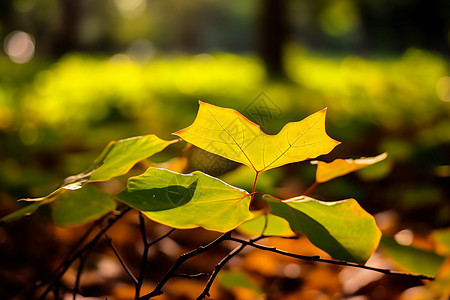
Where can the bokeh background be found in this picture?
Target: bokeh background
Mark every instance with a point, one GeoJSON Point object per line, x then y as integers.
{"type": "Point", "coordinates": [76, 74]}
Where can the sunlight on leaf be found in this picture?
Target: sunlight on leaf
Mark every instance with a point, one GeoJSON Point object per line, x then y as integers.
{"type": "Point", "coordinates": [227, 133]}
{"type": "Point", "coordinates": [342, 229]}
{"type": "Point", "coordinates": [187, 200]}
{"type": "Point", "coordinates": [340, 167]}
{"type": "Point", "coordinates": [120, 156]}
{"type": "Point", "coordinates": [275, 226]}
{"type": "Point", "coordinates": [81, 206]}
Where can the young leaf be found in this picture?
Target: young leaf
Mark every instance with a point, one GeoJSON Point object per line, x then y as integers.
{"type": "Point", "coordinates": [412, 259]}
{"type": "Point", "coordinates": [339, 167]}
{"type": "Point", "coordinates": [120, 156]}
{"type": "Point", "coordinates": [342, 229]}
{"type": "Point", "coordinates": [187, 200]}
{"type": "Point", "coordinates": [226, 132]}
{"type": "Point", "coordinates": [81, 206]}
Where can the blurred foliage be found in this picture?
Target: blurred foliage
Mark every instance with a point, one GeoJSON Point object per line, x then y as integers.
{"type": "Point", "coordinates": [56, 117]}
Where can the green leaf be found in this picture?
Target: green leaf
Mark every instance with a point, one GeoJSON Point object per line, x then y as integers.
{"type": "Point", "coordinates": [227, 133]}
{"type": "Point", "coordinates": [411, 259]}
{"type": "Point", "coordinates": [275, 226]}
{"type": "Point", "coordinates": [117, 159]}
{"type": "Point", "coordinates": [234, 279]}
{"type": "Point", "coordinates": [342, 229]}
{"type": "Point", "coordinates": [120, 156]}
{"type": "Point", "coordinates": [81, 206]}
{"type": "Point", "coordinates": [187, 200]}
{"type": "Point", "coordinates": [24, 211]}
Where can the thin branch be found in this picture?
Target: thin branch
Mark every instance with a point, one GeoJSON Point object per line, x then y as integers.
{"type": "Point", "coordinates": [83, 259]}
{"type": "Point", "coordinates": [61, 266]}
{"type": "Point", "coordinates": [140, 280]}
{"type": "Point", "coordinates": [181, 259]}
{"type": "Point", "coordinates": [68, 262]}
{"type": "Point", "coordinates": [329, 261]}
{"type": "Point", "coordinates": [121, 261]}
{"type": "Point", "coordinates": [221, 264]}
{"type": "Point", "coordinates": [217, 269]}
{"type": "Point", "coordinates": [147, 246]}
{"type": "Point", "coordinates": [191, 276]}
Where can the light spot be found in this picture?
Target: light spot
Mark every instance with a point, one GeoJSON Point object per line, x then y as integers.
{"type": "Point", "coordinates": [404, 237]}
{"type": "Point", "coordinates": [19, 46]}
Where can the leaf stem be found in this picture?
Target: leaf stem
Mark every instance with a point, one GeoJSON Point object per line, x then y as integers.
{"type": "Point", "coordinates": [310, 189]}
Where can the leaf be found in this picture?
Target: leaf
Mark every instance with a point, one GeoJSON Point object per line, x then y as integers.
{"type": "Point", "coordinates": [342, 229]}
{"type": "Point", "coordinates": [235, 279]}
{"type": "Point", "coordinates": [187, 200]}
{"type": "Point", "coordinates": [24, 211]}
{"type": "Point", "coordinates": [275, 226]}
{"type": "Point", "coordinates": [120, 156]}
{"type": "Point", "coordinates": [117, 159]}
{"type": "Point", "coordinates": [226, 132]}
{"type": "Point", "coordinates": [81, 206]}
{"type": "Point", "coordinates": [411, 259]}
{"type": "Point", "coordinates": [339, 167]}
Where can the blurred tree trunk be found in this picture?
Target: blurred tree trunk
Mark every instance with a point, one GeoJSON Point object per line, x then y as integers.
{"type": "Point", "coordinates": [273, 33]}
{"type": "Point", "coordinates": [67, 35]}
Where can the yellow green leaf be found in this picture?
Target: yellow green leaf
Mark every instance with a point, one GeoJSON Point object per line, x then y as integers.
{"type": "Point", "coordinates": [226, 132]}
{"type": "Point", "coordinates": [339, 167]}
{"type": "Point", "coordinates": [343, 228]}
{"type": "Point", "coordinates": [187, 200]}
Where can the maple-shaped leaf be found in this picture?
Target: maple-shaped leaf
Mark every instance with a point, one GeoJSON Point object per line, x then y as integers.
{"type": "Point", "coordinates": [339, 167]}
{"type": "Point", "coordinates": [225, 132]}
{"type": "Point", "coordinates": [187, 200]}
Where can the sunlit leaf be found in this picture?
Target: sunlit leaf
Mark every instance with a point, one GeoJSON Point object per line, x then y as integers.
{"type": "Point", "coordinates": [275, 226]}
{"type": "Point", "coordinates": [411, 259]}
{"type": "Point", "coordinates": [117, 159]}
{"type": "Point", "coordinates": [226, 132]}
{"type": "Point", "coordinates": [342, 229]}
{"type": "Point", "coordinates": [187, 200]}
{"type": "Point", "coordinates": [120, 156]}
{"type": "Point", "coordinates": [339, 167]}
{"type": "Point", "coordinates": [81, 206]}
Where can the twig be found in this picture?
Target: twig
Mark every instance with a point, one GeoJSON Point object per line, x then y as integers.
{"type": "Point", "coordinates": [147, 246]}
{"type": "Point", "coordinates": [329, 261]}
{"type": "Point", "coordinates": [121, 261]}
{"type": "Point", "coordinates": [191, 276]}
{"type": "Point", "coordinates": [66, 264]}
{"type": "Point", "coordinates": [61, 266]}
{"type": "Point", "coordinates": [181, 259]}
{"type": "Point", "coordinates": [140, 280]}
{"type": "Point", "coordinates": [234, 252]}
